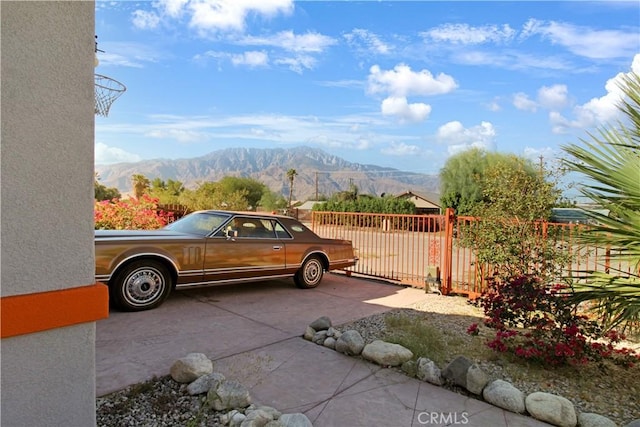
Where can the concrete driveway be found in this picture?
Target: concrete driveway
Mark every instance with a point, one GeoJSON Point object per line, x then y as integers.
{"type": "Point", "coordinates": [252, 332]}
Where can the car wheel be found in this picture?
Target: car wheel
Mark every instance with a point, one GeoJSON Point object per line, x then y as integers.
{"type": "Point", "coordinates": [310, 275]}
{"type": "Point", "coordinates": [141, 285]}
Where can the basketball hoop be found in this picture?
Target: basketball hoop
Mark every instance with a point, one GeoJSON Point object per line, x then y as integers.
{"type": "Point", "coordinates": [107, 90]}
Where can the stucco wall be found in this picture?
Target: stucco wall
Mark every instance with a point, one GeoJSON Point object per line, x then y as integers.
{"type": "Point", "coordinates": [48, 378]}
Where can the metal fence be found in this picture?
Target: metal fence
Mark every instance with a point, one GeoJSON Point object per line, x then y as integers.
{"type": "Point", "coordinates": [425, 251]}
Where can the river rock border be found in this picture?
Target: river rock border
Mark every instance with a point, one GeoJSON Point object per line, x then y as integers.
{"type": "Point", "coordinates": [462, 372]}
{"type": "Point", "coordinates": [228, 396]}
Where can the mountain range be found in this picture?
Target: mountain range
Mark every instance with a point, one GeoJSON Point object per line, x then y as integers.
{"type": "Point", "coordinates": [318, 173]}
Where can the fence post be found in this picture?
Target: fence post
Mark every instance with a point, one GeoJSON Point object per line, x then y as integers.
{"type": "Point", "coordinates": [447, 266]}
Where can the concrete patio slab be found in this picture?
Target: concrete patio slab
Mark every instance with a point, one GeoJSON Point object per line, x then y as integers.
{"type": "Point", "coordinates": [252, 332]}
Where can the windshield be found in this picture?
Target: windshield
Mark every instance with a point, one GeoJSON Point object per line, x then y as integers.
{"type": "Point", "coordinates": [199, 223]}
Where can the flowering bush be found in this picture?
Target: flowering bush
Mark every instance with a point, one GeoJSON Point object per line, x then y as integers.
{"type": "Point", "coordinates": [130, 214]}
{"type": "Point", "coordinates": [537, 323]}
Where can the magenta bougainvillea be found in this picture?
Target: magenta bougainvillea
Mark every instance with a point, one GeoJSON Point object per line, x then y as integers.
{"type": "Point", "coordinates": [535, 321]}
{"type": "Point", "coordinates": [130, 214]}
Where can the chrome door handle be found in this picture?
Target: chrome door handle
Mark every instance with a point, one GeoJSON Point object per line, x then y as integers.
{"type": "Point", "coordinates": [277, 248]}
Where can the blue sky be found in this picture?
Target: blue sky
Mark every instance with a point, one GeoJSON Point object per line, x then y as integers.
{"type": "Point", "coordinates": [397, 84]}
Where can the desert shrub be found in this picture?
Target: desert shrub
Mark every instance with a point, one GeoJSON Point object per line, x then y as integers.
{"type": "Point", "coordinates": [130, 214]}
{"type": "Point", "coordinates": [538, 323]}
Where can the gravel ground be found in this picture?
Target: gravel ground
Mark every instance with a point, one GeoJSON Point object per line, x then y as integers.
{"type": "Point", "coordinates": [614, 394]}
{"type": "Point", "coordinates": [163, 402]}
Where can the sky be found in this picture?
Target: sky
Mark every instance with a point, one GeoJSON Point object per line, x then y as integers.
{"type": "Point", "coordinates": [389, 83]}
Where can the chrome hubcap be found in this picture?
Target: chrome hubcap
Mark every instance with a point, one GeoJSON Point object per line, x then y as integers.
{"type": "Point", "coordinates": [143, 286]}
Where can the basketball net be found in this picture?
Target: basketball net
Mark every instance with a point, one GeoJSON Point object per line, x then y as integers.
{"type": "Point", "coordinates": [107, 90]}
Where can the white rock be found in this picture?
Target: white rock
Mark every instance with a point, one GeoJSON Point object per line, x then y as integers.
{"type": "Point", "coordinates": [504, 395]}
{"type": "Point", "coordinates": [587, 419]}
{"type": "Point", "coordinates": [205, 383]}
{"type": "Point", "coordinates": [191, 367]}
{"type": "Point", "coordinates": [427, 370]}
{"type": "Point", "coordinates": [477, 379]}
{"type": "Point", "coordinates": [386, 354]}
{"type": "Point", "coordinates": [309, 333]}
{"type": "Point", "coordinates": [228, 395]}
{"type": "Point", "coordinates": [551, 408]}
{"type": "Point", "coordinates": [350, 343]}
{"type": "Point", "coordinates": [330, 342]}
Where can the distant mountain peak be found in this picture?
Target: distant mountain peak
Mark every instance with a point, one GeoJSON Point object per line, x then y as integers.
{"type": "Point", "coordinates": [318, 171]}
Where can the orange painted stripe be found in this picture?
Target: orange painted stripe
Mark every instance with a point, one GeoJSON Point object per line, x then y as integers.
{"type": "Point", "coordinates": [29, 313]}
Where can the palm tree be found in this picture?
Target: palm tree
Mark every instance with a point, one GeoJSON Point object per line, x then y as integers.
{"type": "Point", "coordinates": [611, 163]}
{"type": "Point", "coordinates": [140, 184]}
{"type": "Point", "coordinates": [291, 174]}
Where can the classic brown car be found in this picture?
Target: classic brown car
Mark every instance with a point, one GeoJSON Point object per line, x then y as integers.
{"type": "Point", "coordinates": [205, 248]}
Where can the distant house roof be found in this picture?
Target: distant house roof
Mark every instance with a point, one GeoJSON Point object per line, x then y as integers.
{"type": "Point", "coordinates": [422, 200]}
{"type": "Point", "coordinates": [308, 205]}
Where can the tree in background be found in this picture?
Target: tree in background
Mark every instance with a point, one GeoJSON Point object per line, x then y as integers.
{"type": "Point", "coordinates": [166, 192]}
{"type": "Point", "coordinates": [130, 214]}
{"type": "Point", "coordinates": [140, 185]}
{"type": "Point", "coordinates": [611, 162]}
{"type": "Point", "coordinates": [272, 201]}
{"type": "Point", "coordinates": [461, 178]}
{"type": "Point", "coordinates": [252, 189]}
{"type": "Point", "coordinates": [291, 175]}
{"type": "Point", "coordinates": [102, 192]}
{"type": "Point", "coordinates": [211, 195]}
{"type": "Point", "coordinates": [507, 238]}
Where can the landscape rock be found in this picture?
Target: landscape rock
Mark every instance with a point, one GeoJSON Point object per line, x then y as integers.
{"type": "Point", "coordinates": [587, 419]}
{"type": "Point", "coordinates": [228, 395]}
{"type": "Point", "coordinates": [319, 337]}
{"type": "Point", "coordinates": [275, 414]}
{"type": "Point", "coordinates": [205, 383]}
{"type": "Point", "coordinates": [321, 324]}
{"type": "Point", "coordinates": [634, 423]}
{"type": "Point", "coordinates": [456, 371]}
{"type": "Point", "coordinates": [233, 418]}
{"type": "Point", "coordinates": [350, 343]}
{"type": "Point", "coordinates": [551, 408]}
{"type": "Point", "coordinates": [477, 379]}
{"type": "Point", "coordinates": [504, 395]}
{"type": "Point", "coordinates": [330, 342]}
{"type": "Point", "coordinates": [428, 371]}
{"type": "Point", "coordinates": [386, 354]}
{"type": "Point", "coordinates": [191, 367]}
{"type": "Point", "coordinates": [332, 332]}
{"type": "Point", "coordinates": [295, 420]}
{"type": "Point", "coordinates": [257, 418]}
{"type": "Point", "coordinates": [309, 333]}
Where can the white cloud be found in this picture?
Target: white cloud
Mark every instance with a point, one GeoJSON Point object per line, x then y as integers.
{"type": "Point", "coordinates": [597, 111]}
{"type": "Point", "coordinates": [298, 64]}
{"type": "Point", "coordinates": [252, 59]}
{"type": "Point", "coordinates": [468, 35]}
{"type": "Point", "coordinates": [230, 15]}
{"type": "Point", "coordinates": [400, 149]}
{"type": "Point", "coordinates": [399, 107]}
{"type": "Point", "coordinates": [107, 155]}
{"type": "Point", "coordinates": [584, 41]}
{"type": "Point", "coordinates": [309, 42]}
{"type": "Point", "coordinates": [402, 81]}
{"type": "Point", "coordinates": [211, 16]}
{"type": "Point", "coordinates": [133, 55]}
{"type": "Point", "coordinates": [180, 135]}
{"type": "Point", "coordinates": [522, 102]}
{"type": "Point", "coordinates": [553, 97]}
{"type": "Point", "coordinates": [365, 40]}
{"type": "Point", "coordinates": [145, 20]}
{"type": "Point", "coordinates": [458, 138]}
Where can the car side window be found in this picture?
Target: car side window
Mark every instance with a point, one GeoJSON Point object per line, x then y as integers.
{"type": "Point", "coordinates": [281, 233]}
{"type": "Point", "coordinates": [248, 228]}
